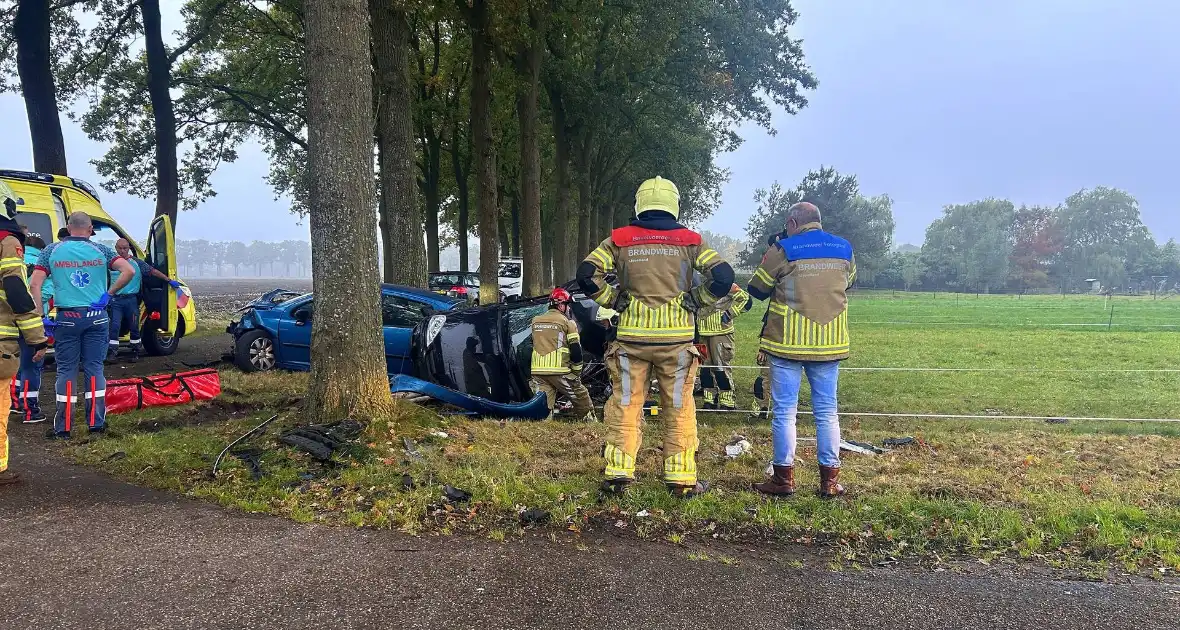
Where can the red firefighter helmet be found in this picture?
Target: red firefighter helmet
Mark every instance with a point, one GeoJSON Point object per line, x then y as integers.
{"type": "Point", "coordinates": [560, 296]}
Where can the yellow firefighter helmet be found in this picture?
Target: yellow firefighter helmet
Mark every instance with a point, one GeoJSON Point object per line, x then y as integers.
{"type": "Point", "coordinates": [658, 194]}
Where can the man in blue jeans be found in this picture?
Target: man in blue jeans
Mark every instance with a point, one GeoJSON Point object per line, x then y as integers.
{"type": "Point", "coordinates": [806, 273]}
{"type": "Point", "coordinates": [125, 305]}
{"type": "Point", "coordinates": [78, 268]}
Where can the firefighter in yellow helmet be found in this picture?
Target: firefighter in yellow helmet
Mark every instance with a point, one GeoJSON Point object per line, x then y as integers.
{"type": "Point", "coordinates": [654, 259]}
{"type": "Point", "coordinates": [715, 325]}
{"type": "Point", "coordinates": [557, 356]}
{"type": "Point", "coordinates": [18, 314]}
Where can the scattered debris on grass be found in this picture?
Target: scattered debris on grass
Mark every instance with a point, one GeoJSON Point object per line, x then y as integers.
{"type": "Point", "coordinates": [534, 516]}
{"type": "Point", "coordinates": [863, 448]}
{"type": "Point", "coordinates": [322, 440]}
{"type": "Point", "coordinates": [455, 495]}
{"type": "Point", "coordinates": [738, 446]}
{"type": "Point", "coordinates": [898, 441]}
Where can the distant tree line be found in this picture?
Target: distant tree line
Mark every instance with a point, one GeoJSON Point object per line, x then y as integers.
{"type": "Point", "coordinates": [266, 259]}
{"type": "Point", "coordinates": [985, 246]}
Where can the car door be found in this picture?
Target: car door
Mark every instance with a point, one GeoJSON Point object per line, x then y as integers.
{"type": "Point", "coordinates": [399, 315]}
{"type": "Point", "coordinates": [294, 345]}
{"type": "Point", "coordinates": [161, 254]}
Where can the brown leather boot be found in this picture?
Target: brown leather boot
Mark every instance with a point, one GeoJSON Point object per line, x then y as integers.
{"type": "Point", "coordinates": [829, 486]}
{"type": "Point", "coordinates": [781, 484]}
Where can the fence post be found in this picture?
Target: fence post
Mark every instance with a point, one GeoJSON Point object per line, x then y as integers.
{"type": "Point", "coordinates": [1110, 322]}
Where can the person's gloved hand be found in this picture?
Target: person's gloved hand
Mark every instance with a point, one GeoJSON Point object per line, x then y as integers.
{"type": "Point", "coordinates": [689, 302]}
{"type": "Point", "coordinates": [102, 302]}
{"type": "Point", "coordinates": [48, 324]}
{"type": "Point", "coordinates": [622, 301]}
{"type": "Point", "coordinates": [577, 368]}
{"type": "Point", "coordinates": [726, 318]}
{"type": "Point", "coordinates": [761, 359]}
{"type": "Point", "coordinates": [175, 284]}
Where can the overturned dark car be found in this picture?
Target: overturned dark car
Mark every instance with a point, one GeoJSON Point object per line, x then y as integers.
{"type": "Point", "coordinates": [487, 351]}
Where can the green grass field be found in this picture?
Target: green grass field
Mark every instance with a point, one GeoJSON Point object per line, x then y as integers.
{"type": "Point", "coordinates": [1095, 497]}
{"type": "Point", "coordinates": [1020, 355]}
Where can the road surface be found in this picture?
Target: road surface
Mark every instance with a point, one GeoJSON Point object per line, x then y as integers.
{"type": "Point", "coordinates": [81, 550]}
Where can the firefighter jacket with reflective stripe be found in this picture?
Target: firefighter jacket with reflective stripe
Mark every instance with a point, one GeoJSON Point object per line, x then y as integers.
{"type": "Point", "coordinates": [14, 280]}
{"type": "Point", "coordinates": [553, 334]}
{"type": "Point", "coordinates": [807, 277]}
{"type": "Point", "coordinates": [655, 268]}
{"type": "Point", "coordinates": [719, 319]}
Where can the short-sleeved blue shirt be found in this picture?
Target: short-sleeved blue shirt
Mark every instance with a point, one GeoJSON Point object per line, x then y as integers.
{"type": "Point", "coordinates": [142, 271]}
{"type": "Point", "coordinates": [78, 268]}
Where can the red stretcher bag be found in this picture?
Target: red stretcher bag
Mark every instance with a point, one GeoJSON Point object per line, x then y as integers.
{"type": "Point", "coordinates": [129, 394]}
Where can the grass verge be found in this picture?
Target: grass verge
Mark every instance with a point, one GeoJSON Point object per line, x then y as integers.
{"type": "Point", "coordinates": [1085, 497]}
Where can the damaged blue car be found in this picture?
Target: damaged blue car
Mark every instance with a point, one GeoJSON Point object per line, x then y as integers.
{"type": "Point", "coordinates": [274, 331]}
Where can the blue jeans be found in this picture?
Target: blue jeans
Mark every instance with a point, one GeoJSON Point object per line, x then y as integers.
{"type": "Point", "coordinates": [80, 338]}
{"type": "Point", "coordinates": [785, 378]}
{"type": "Point", "coordinates": [27, 388]}
{"type": "Point", "coordinates": [124, 308]}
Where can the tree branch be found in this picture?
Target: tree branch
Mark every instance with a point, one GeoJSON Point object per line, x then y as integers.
{"type": "Point", "coordinates": [127, 15]}
{"type": "Point", "coordinates": [206, 25]}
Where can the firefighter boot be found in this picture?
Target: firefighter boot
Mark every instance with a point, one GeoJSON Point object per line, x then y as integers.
{"type": "Point", "coordinates": [688, 492]}
{"type": "Point", "coordinates": [710, 401]}
{"type": "Point", "coordinates": [135, 350]}
{"type": "Point", "coordinates": [829, 486]}
{"type": "Point", "coordinates": [8, 477]}
{"type": "Point", "coordinates": [780, 484]}
{"type": "Point", "coordinates": [726, 401]}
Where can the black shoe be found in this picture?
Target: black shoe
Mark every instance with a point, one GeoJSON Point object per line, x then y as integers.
{"type": "Point", "coordinates": [98, 430]}
{"type": "Point", "coordinates": [8, 477]}
{"type": "Point", "coordinates": [134, 358]}
{"type": "Point", "coordinates": [111, 359]}
{"type": "Point", "coordinates": [36, 417]}
{"type": "Point", "coordinates": [615, 487]}
{"type": "Point", "coordinates": [54, 435]}
{"type": "Point", "coordinates": [688, 492]}
{"type": "Point", "coordinates": [13, 411]}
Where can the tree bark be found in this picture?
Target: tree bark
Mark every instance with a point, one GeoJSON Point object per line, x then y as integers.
{"type": "Point", "coordinates": [33, 64]}
{"type": "Point", "coordinates": [562, 271]}
{"type": "Point", "coordinates": [585, 193]}
{"type": "Point", "coordinates": [505, 238]}
{"type": "Point", "coordinates": [401, 223]}
{"type": "Point", "coordinates": [527, 95]}
{"type": "Point", "coordinates": [159, 85]}
{"type": "Point", "coordinates": [462, 227]}
{"type": "Point", "coordinates": [433, 200]}
{"type": "Point", "coordinates": [479, 17]}
{"type": "Point", "coordinates": [348, 371]}
{"type": "Point", "coordinates": [516, 228]}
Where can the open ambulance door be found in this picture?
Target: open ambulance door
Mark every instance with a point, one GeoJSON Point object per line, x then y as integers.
{"type": "Point", "coordinates": [161, 254]}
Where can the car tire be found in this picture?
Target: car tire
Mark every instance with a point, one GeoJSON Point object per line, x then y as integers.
{"type": "Point", "coordinates": [161, 346]}
{"type": "Point", "coordinates": [255, 352]}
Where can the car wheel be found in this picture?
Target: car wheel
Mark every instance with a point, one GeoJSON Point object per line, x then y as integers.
{"type": "Point", "coordinates": [158, 345]}
{"type": "Point", "coordinates": [255, 352]}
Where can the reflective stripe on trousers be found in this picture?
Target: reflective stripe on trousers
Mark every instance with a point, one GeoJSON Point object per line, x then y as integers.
{"type": "Point", "coordinates": [631, 366]}
{"type": "Point", "coordinates": [80, 340]}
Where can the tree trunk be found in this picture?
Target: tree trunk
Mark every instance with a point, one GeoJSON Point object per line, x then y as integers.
{"type": "Point", "coordinates": [528, 231]}
{"type": "Point", "coordinates": [479, 22]}
{"type": "Point", "coordinates": [462, 226]}
{"type": "Point", "coordinates": [348, 371]}
{"type": "Point", "coordinates": [401, 224]}
{"type": "Point", "coordinates": [505, 237]}
{"type": "Point", "coordinates": [433, 201]}
{"type": "Point", "coordinates": [516, 225]}
{"type": "Point", "coordinates": [31, 29]}
{"type": "Point", "coordinates": [562, 271]}
{"type": "Point", "coordinates": [585, 202]}
{"type": "Point", "coordinates": [159, 85]}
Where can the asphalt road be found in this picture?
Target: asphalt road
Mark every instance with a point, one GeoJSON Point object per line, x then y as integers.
{"type": "Point", "coordinates": [80, 550]}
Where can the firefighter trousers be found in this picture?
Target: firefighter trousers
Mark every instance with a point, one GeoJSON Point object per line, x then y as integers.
{"type": "Point", "coordinates": [631, 367]}
{"type": "Point", "coordinates": [9, 364]}
{"type": "Point", "coordinates": [568, 384]}
{"type": "Point", "coordinates": [716, 373]}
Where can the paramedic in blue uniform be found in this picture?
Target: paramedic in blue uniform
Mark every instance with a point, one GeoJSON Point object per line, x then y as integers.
{"type": "Point", "coordinates": [125, 305]}
{"type": "Point", "coordinates": [79, 270]}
